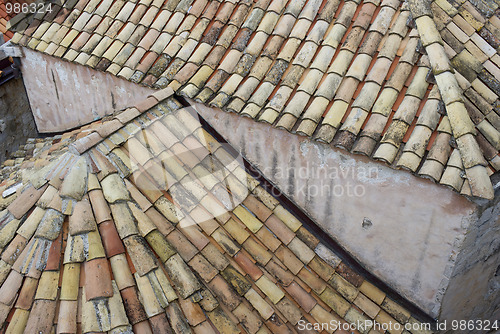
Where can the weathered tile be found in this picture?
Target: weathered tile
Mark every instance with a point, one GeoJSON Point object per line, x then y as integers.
{"type": "Point", "coordinates": [367, 306]}
{"type": "Point", "coordinates": [114, 188]}
{"type": "Point", "coordinates": [248, 319]}
{"type": "Point", "coordinates": [335, 301]}
{"type": "Point", "coordinates": [398, 312]}
{"type": "Point", "coordinates": [41, 316]}
{"type": "Point", "coordinates": [246, 263]}
{"type": "Point", "coordinates": [291, 221]}
{"type": "Point", "coordinates": [25, 201]}
{"type": "Point", "coordinates": [289, 259]}
{"type": "Point", "coordinates": [258, 252]}
{"type": "Point", "coordinates": [184, 280]}
{"type": "Point", "coordinates": [143, 259]}
{"type": "Point", "coordinates": [267, 238]}
{"type": "Point", "coordinates": [252, 223]}
{"type": "Point", "coordinates": [225, 242]}
{"type": "Point", "coordinates": [192, 311]}
{"type": "Point", "coordinates": [48, 286]}
{"type": "Point", "coordinates": [18, 321]}
{"type": "Point", "coordinates": [121, 271]}
{"type": "Point", "coordinates": [124, 220]}
{"type": "Point", "coordinates": [279, 229]}
{"type": "Point", "coordinates": [289, 310]}
{"type": "Point", "coordinates": [177, 319]}
{"type": "Point", "coordinates": [133, 307]}
{"type": "Point", "coordinates": [222, 321]}
{"type": "Point", "coordinates": [27, 294]}
{"type": "Point", "coordinates": [160, 245]}
{"type": "Point", "coordinates": [345, 288]}
{"type": "Point", "coordinates": [265, 310]}
{"type": "Point", "coordinates": [224, 292]}
{"type": "Point", "coordinates": [82, 220]}
{"type": "Point", "coordinates": [237, 281]}
{"type": "Point", "coordinates": [270, 289]}
{"type": "Point", "coordinates": [70, 282]}
{"type": "Point", "coordinates": [159, 323]}
{"type": "Point", "coordinates": [151, 302]}
{"type": "Point", "coordinates": [208, 301]}
{"type": "Point", "coordinates": [97, 279]}
{"type": "Point", "coordinates": [10, 287]}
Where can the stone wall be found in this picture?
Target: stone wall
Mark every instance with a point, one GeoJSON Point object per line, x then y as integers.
{"type": "Point", "coordinates": [64, 95]}
{"type": "Point", "coordinates": [403, 229]}
{"type": "Point", "coordinates": [474, 289]}
{"type": "Point", "coordinates": [16, 120]}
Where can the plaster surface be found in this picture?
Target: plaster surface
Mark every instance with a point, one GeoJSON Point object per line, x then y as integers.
{"type": "Point", "coordinates": [64, 95]}
{"type": "Point", "coordinates": [16, 119]}
{"type": "Point", "coordinates": [403, 229]}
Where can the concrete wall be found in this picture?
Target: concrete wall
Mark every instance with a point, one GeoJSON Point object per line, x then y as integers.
{"type": "Point", "coordinates": [64, 95]}
{"type": "Point", "coordinates": [16, 120]}
{"type": "Point", "coordinates": [404, 229]}
{"type": "Point", "coordinates": [474, 289]}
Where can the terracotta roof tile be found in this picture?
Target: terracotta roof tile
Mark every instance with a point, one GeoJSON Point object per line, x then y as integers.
{"type": "Point", "coordinates": [70, 282]}
{"type": "Point", "coordinates": [133, 307]}
{"type": "Point", "coordinates": [41, 317]}
{"type": "Point", "coordinates": [182, 245]}
{"type": "Point", "coordinates": [245, 262]}
{"type": "Point", "coordinates": [27, 294]}
{"type": "Point", "coordinates": [248, 319]}
{"type": "Point", "coordinates": [268, 238]}
{"type": "Point", "coordinates": [259, 252]}
{"type": "Point", "coordinates": [142, 258]}
{"type": "Point", "coordinates": [177, 319]}
{"type": "Point", "coordinates": [10, 286]}
{"type": "Point", "coordinates": [265, 310]}
{"type": "Point", "coordinates": [98, 279]}
{"type": "Point", "coordinates": [184, 280]}
{"type": "Point", "coordinates": [11, 253]}
{"type": "Point", "coordinates": [121, 271]}
{"type": "Point", "coordinates": [159, 324]}
{"type": "Point", "coordinates": [25, 201]}
{"type": "Point", "coordinates": [48, 286]}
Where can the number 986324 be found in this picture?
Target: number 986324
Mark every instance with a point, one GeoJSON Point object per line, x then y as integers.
{"type": "Point", "coordinates": [27, 8]}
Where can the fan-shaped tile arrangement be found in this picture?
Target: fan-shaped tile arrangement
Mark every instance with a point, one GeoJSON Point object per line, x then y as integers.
{"type": "Point", "coordinates": [145, 223]}
{"type": "Point", "coordinates": [412, 84]}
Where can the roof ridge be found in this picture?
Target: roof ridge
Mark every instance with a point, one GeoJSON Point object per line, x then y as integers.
{"type": "Point", "coordinates": [118, 121]}
{"type": "Point", "coordinates": [463, 129]}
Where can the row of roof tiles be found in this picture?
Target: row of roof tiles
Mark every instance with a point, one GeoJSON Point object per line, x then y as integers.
{"type": "Point", "coordinates": [338, 71]}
